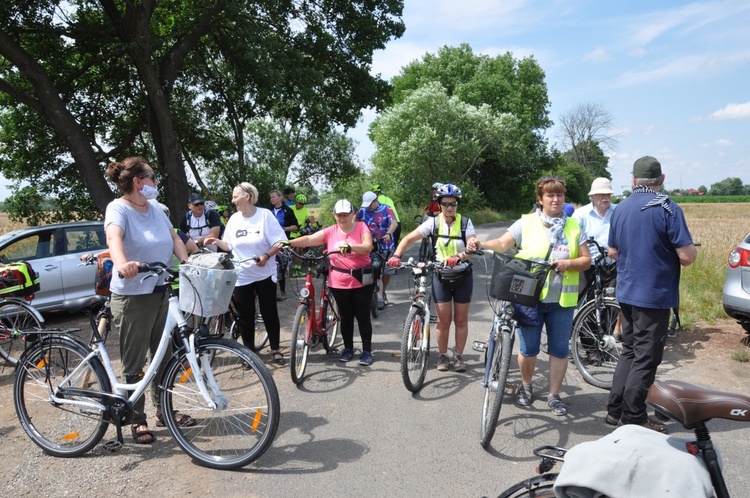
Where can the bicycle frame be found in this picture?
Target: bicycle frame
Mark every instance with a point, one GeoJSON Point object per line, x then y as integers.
{"type": "Point", "coordinates": [99, 351]}
{"type": "Point", "coordinates": [315, 325]}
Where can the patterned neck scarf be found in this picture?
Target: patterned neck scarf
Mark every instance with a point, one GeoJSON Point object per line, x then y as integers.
{"type": "Point", "coordinates": [556, 227]}
{"type": "Point", "coordinates": [660, 199]}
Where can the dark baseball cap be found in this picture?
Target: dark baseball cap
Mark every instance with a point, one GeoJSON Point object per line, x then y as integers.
{"type": "Point", "coordinates": [196, 199]}
{"type": "Point", "coordinates": [647, 167]}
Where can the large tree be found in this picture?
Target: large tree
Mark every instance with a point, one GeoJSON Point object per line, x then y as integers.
{"type": "Point", "coordinates": [431, 136]}
{"type": "Point", "coordinates": [83, 83]}
{"type": "Point", "coordinates": [506, 86]}
{"type": "Point", "coordinates": [585, 134]}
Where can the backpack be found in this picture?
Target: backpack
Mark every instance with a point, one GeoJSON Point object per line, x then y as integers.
{"type": "Point", "coordinates": [18, 280]}
{"type": "Point", "coordinates": [104, 267]}
{"type": "Point", "coordinates": [206, 213]}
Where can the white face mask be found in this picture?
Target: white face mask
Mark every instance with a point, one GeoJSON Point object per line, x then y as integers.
{"type": "Point", "coordinates": [149, 192]}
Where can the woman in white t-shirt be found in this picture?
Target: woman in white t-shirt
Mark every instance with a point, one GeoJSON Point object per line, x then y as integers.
{"type": "Point", "coordinates": [251, 232]}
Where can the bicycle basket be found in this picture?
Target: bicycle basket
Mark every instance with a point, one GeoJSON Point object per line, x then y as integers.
{"type": "Point", "coordinates": [205, 291]}
{"type": "Point", "coordinates": [517, 280]}
{"type": "Point", "coordinates": [18, 280]}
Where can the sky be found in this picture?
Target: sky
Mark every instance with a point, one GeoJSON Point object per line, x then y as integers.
{"type": "Point", "coordinates": [674, 75]}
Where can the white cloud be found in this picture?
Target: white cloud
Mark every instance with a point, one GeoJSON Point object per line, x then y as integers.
{"type": "Point", "coordinates": [599, 54]}
{"type": "Point", "coordinates": [721, 143]}
{"type": "Point", "coordinates": [732, 111]}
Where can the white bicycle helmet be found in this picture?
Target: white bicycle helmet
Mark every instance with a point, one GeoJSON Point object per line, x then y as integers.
{"type": "Point", "coordinates": [448, 190]}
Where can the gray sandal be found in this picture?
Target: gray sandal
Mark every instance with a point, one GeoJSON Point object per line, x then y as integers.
{"type": "Point", "coordinates": [524, 395]}
{"type": "Point", "coordinates": [557, 406]}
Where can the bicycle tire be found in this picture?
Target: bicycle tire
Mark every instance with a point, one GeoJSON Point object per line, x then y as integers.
{"type": "Point", "coordinates": [243, 426]}
{"type": "Point", "coordinates": [374, 311]}
{"type": "Point", "coordinates": [300, 346]}
{"type": "Point", "coordinates": [426, 250]}
{"type": "Point", "coordinates": [413, 355]}
{"type": "Point", "coordinates": [261, 334]}
{"type": "Point", "coordinates": [495, 390]}
{"type": "Point", "coordinates": [15, 319]}
{"type": "Point", "coordinates": [596, 359]}
{"type": "Point", "coordinates": [534, 487]}
{"type": "Point", "coordinates": [332, 320]}
{"type": "Point", "coordinates": [59, 429]}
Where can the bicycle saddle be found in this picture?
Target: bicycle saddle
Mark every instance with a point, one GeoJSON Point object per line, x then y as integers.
{"type": "Point", "coordinates": [690, 405]}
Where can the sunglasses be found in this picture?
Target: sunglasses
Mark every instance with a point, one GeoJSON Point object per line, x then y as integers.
{"type": "Point", "coordinates": [449, 204]}
{"type": "Point", "coordinates": [198, 204]}
{"type": "Point", "coordinates": [150, 175]}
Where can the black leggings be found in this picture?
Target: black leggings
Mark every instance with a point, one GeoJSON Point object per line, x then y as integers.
{"type": "Point", "coordinates": [355, 303]}
{"type": "Point", "coordinates": [244, 302]}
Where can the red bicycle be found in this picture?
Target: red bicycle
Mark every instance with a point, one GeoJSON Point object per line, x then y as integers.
{"type": "Point", "coordinates": [313, 324]}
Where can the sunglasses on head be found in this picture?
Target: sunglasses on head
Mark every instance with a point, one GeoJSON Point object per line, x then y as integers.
{"type": "Point", "coordinates": [449, 204]}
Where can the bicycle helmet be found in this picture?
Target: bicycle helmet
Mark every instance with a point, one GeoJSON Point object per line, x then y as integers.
{"type": "Point", "coordinates": [300, 198]}
{"type": "Point", "coordinates": [376, 188]}
{"type": "Point", "coordinates": [211, 206]}
{"type": "Point", "coordinates": [436, 185]}
{"type": "Point", "coordinates": [448, 190]}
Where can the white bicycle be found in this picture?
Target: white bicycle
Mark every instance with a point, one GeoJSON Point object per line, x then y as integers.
{"type": "Point", "coordinates": [66, 393]}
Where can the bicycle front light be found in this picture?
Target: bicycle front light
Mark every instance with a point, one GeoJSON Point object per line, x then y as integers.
{"type": "Point", "coordinates": [305, 292]}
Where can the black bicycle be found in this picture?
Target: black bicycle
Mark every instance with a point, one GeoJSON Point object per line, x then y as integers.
{"type": "Point", "coordinates": [596, 343]}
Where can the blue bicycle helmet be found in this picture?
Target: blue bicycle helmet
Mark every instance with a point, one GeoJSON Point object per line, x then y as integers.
{"type": "Point", "coordinates": [448, 190]}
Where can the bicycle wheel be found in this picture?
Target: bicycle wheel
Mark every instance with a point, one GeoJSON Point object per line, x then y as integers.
{"type": "Point", "coordinates": [535, 487]}
{"type": "Point", "coordinates": [493, 393]}
{"type": "Point", "coordinates": [426, 251]}
{"type": "Point", "coordinates": [332, 321]}
{"type": "Point", "coordinates": [300, 347]}
{"type": "Point", "coordinates": [246, 419]}
{"type": "Point", "coordinates": [374, 311]}
{"type": "Point", "coordinates": [413, 353]}
{"type": "Point", "coordinates": [15, 319]}
{"type": "Point", "coordinates": [596, 355]}
{"type": "Point", "coordinates": [60, 429]}
{"type": "Point", "coordinates": [261, 334]}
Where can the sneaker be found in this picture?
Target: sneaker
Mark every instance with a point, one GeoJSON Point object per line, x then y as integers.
{"type": "Point", "coordinates": [458, 364]}
{"type": "Point", "coordinates": [381, 304]}
{"type": "Point", "coordinates": [557, 406]}
{"type": "Point", "coordinates": [281, 296]}
{"type": "Point", "coordinates": [366, 358]}
{"type": "Point", "coordinates": [346, 355]}
{"type": "Point", "coordinates": [443, 363]}
{"type": "Point", "coordinates": [385, 299]}
{"type": "Point", "coordinates": [611, 420]}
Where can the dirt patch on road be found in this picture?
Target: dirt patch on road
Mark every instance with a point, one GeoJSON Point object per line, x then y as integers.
{"type": "Point", "coordinates": [703, 355]}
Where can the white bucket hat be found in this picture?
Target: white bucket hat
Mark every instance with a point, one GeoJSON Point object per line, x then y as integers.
{"type": "Point", "coordinates": [601, 186]}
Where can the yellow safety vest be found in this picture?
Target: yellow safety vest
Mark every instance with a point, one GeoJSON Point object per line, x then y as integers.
{"type": "Point", "coordinates": [536, 245]}
{"type": "Point", "coordinates": [443, 250]}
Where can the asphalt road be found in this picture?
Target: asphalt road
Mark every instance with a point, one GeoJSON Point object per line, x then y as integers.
{"type": "Point", "coordinates": [349, 430]}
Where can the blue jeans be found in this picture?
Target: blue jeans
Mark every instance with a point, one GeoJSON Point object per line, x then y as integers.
{"type": "Point", "coordinates": [558, 322]}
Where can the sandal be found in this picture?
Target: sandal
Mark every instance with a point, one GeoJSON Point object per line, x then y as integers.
{"type": "Point", "coordinates": [182, 419]}
{"type": "Point", "coordinates": [143, 436]}
{"type": "Point", "coordinates": [557, 406]}
{"type": "Point", "coordinates": [278, 358]}
{"type": "Point", "coordinates": [524, 395]}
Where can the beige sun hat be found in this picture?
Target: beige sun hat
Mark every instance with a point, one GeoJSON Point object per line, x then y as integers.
{"type": "Point", "coordinates": [601, 186]}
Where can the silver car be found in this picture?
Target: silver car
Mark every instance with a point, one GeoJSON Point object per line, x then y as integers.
{"type": "Point", "coordinates": [736, 293]}
{"type": "Point", "coordinates": [53, 251]}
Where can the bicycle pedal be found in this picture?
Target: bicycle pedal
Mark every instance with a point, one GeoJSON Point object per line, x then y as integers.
{"type": "Point", "coordinates": [479, 346]}
{"type": "Point", "coordinates": [112, 446]}
{"type": "Point", "coordinates": [333, 352]}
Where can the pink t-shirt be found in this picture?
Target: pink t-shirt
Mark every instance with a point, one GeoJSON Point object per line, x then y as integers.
{"type": "Point", "coordinates": [334, 238]}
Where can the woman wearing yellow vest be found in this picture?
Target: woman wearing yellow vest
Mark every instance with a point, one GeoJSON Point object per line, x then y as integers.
{"type": "Point", "coordinates": [452, 300]}
{"type": "Point", "coordinates": [534, 235]}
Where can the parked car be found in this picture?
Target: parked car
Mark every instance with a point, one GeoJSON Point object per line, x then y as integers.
{"type": "Point", "coordinates": [735, 297]}
{"type": "Point", "coordinates": [53, 251]}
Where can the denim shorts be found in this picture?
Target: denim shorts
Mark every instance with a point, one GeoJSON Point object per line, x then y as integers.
{"type": "Point", "coordinates": [558, 322]}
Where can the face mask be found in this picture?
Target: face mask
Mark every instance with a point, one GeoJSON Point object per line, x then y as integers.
{"type": "Point", "coordinates": [149, 192]}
